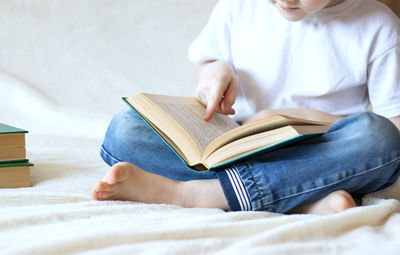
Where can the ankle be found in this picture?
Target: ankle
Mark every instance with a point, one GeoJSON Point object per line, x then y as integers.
{"type": "Point", "coordinates": [178, 194]}
{"type": "Point", "coordinates": [202, 194]}
{"type": "Point", "coordinates": [185, 194]}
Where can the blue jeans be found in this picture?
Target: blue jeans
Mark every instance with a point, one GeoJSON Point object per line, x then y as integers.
{"type": "Point", "coordinates": [359, 154]}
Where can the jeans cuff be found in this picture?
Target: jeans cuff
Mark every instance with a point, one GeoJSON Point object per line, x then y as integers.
{"type": "Point", "coordinates": [107, 157]}
{"type": "Point", "coordinates": [234, 190]}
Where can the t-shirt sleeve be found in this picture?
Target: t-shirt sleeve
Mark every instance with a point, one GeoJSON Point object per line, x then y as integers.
{"type": "Point", "coordinates": [384, 83]}
{"type": "Point", "coordinates": [214, 42]}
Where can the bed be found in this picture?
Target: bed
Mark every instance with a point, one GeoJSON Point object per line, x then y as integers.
{"type": "Point", "coordinates": [64, 66]}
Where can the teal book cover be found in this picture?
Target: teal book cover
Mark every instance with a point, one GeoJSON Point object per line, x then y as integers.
{"type": "Point", "coordinates": [226, 164]}
{"type": "Point", "coordinates": [6, 129]}
{"type": "Point", "coordinates": [15, 164]}
{"type": "Point", "coordinates": [13, 161]}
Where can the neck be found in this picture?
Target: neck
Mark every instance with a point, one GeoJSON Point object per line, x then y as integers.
{"type": "Point", "coordinates": [334, 2]}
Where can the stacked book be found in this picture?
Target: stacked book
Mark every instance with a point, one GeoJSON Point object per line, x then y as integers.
{"type": "Point", "coordinates": [14, 166]}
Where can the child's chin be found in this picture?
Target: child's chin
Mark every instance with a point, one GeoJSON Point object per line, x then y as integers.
{"type": "Point", "coordinates": [293, 16]}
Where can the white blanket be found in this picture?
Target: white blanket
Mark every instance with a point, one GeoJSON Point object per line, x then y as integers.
{"type": "Point", "coordinates": [64, 66]}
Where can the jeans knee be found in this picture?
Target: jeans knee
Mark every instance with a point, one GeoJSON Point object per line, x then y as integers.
{"type": "Point", "coordinates": [123, 129]}
{"type": "Point", "coordinates": [379, 132]}
{"type": "Point", "coordinates": [126, 119]}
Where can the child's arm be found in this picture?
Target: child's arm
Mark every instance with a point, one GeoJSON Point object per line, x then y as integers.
{"type": "Point", "coordinates": [217, 87]}
{"type": "Point", "coordinates": [396, 121]}
{"type": "Point", "coordinates": [296, 112]}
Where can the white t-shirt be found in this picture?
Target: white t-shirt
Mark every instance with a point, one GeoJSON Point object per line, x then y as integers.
{"type": "Point", "coordinates": [338, 60]}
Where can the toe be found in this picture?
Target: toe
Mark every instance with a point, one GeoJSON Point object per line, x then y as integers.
{"type": "Point", "coordinates": [103, 186]}
{"type": "Point", "coordinates": [102, 195]}
{"type": "Point", "coordinates": [341, 201]}
{"type": "Point", "coordinates": [105, 195]}
{"type": "Point", "coordinates": [106, 187]}
{"type": "Point", "coordinates": [96, 195]}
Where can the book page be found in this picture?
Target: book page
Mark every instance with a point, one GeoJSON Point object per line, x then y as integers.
{"type": "Point", "coordinates": [249, 144]}
{"type": "Point", "coordinates": [269, 123]}
{"type": "Point", "coordinates": [189, 113]}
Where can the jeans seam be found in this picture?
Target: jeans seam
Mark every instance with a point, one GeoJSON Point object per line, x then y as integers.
{"type": "Point", "coordinates": [256, 185]}
{"type": "Point", "coordinates": [334, 183]}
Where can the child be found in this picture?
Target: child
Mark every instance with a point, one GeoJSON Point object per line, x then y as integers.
{"type": "Point", "coordinates": [319, 59]}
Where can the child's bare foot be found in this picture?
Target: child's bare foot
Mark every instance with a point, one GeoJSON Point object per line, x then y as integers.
{"type": "Point", "coordinates": [125, 181]}
{"type": "Point", "coordinates": [335, 202]}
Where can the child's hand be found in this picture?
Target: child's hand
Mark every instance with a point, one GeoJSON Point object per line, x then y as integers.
{"type": "Point", "coordinates": [217, 87]}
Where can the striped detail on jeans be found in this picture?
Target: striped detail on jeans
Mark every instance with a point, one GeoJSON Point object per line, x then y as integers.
{"type": "Point", "coordinates": [239, 189]}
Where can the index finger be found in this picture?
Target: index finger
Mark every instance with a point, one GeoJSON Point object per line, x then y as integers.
{"type": "Point", "coordinates": [215, 98]}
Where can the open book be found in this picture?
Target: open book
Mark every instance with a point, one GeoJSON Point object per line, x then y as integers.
{"type": "Point", "coordinates": [221, 141]}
